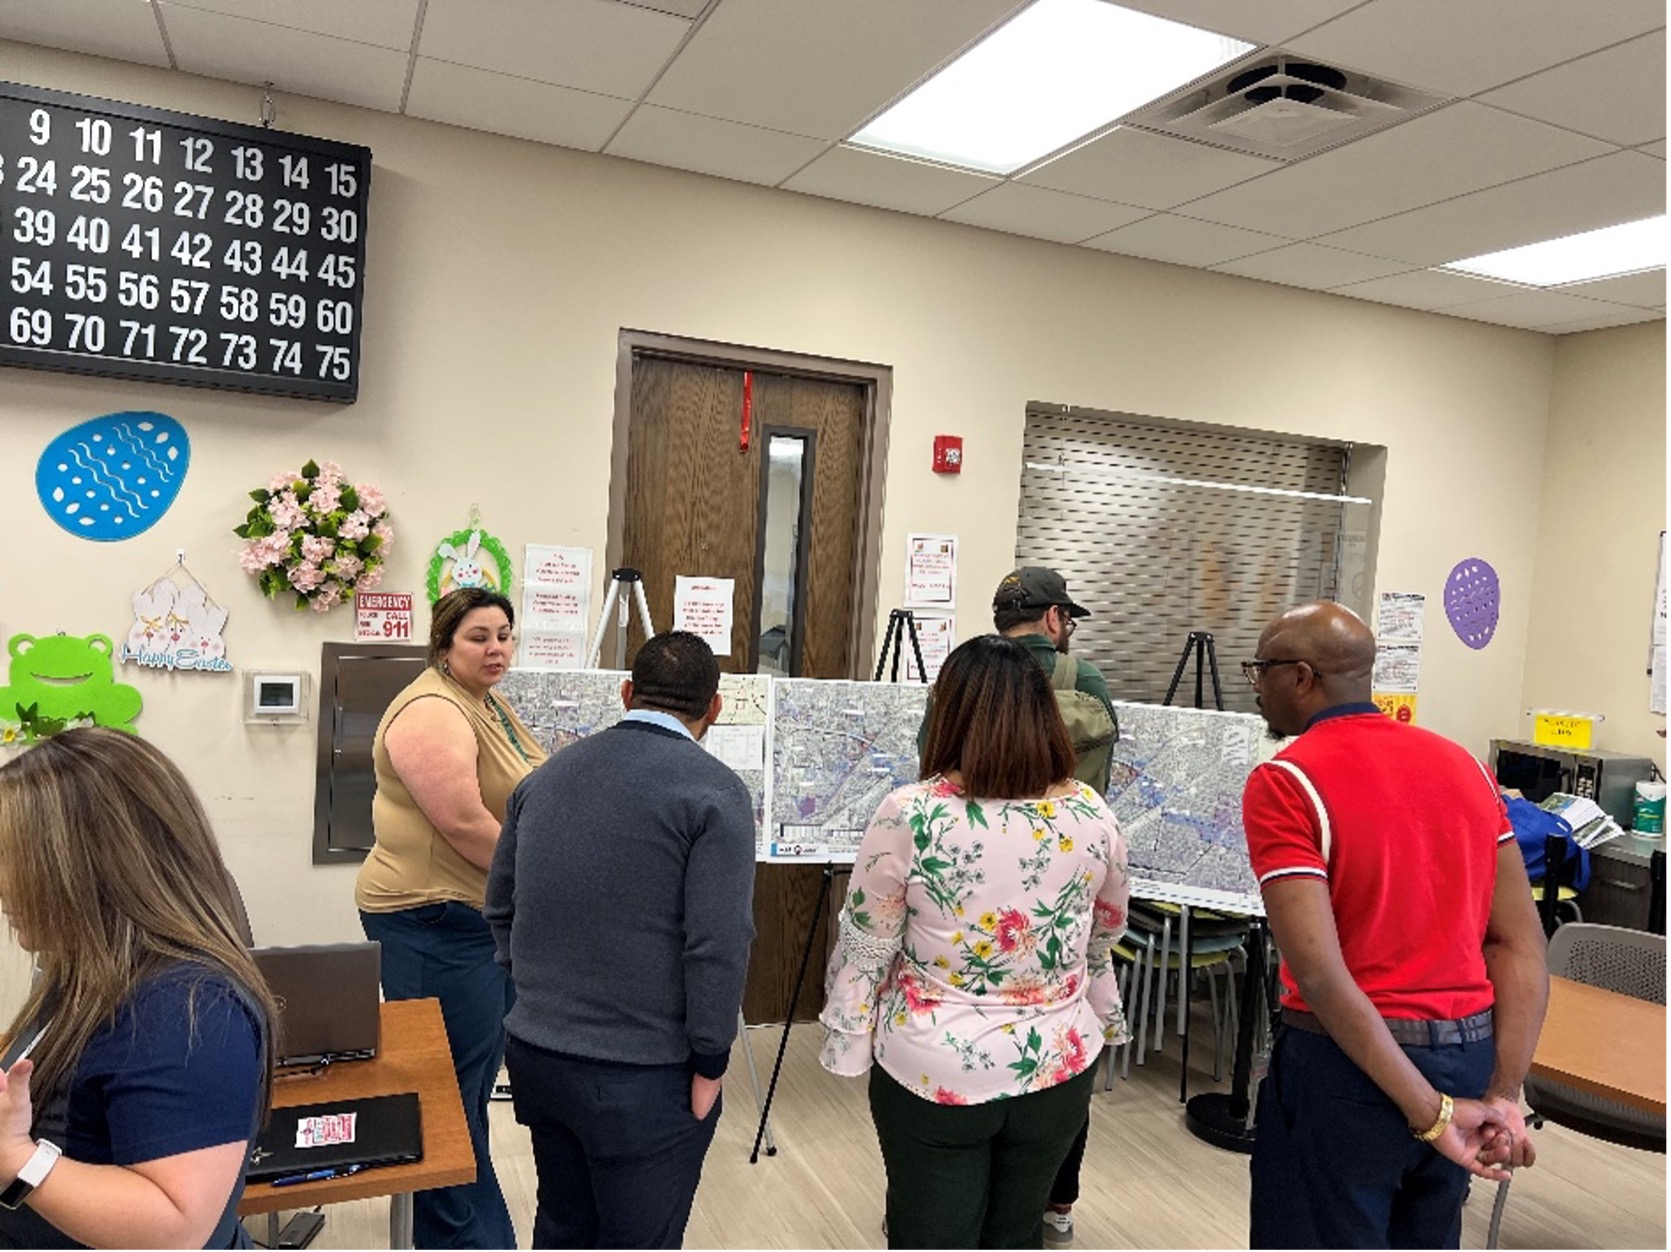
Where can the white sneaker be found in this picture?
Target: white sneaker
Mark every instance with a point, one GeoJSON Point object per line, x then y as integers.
{"type": "Point", "coordinates": [1058, 1229]}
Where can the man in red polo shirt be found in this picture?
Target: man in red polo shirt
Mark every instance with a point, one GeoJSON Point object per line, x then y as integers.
{"type": "Point", "coordinates": [1413, 975]}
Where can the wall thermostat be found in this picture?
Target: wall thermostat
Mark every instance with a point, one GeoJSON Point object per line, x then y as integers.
{"type": "Point", "coordinates": [274, 697]}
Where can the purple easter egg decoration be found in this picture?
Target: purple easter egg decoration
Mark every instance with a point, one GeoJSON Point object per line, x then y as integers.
{"type": "Point", "coordinates": [1472, 598]}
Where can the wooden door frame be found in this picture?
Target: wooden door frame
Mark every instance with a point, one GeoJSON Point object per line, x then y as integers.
{"type": "Point", "coordinates": [876, 385]}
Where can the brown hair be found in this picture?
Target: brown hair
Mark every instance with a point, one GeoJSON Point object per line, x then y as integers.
{"type": "Point", "coordinates": [109, 872]}
{"type": "Point", "coordinates": [995, 721]}
{"type": "Point", "coordinates": [449, 612]}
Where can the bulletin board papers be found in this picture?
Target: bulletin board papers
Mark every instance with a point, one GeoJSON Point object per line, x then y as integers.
{"type": "Point", "coordinates": [1397, 668]}
{"type": "Point", "coordinates": [936, 635]}
{"type": "Point", "coordinates": [1399, 616]}
{"type": "Point", "coordinates": [556, 605]}
{"type": "Point", "coordinates": [837, 749]}
{"type": "Point", "coordinates": [703, 606]}
{"type": "Point", "coordinates": [931, 572]}
{"type": "Point", "coordinates": [1176, 790]}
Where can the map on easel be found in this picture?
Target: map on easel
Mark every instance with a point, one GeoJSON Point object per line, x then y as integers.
{"type": "Point", "coordinates": [1176, 790]}
{"type": "Point", "coordinates": [564, 706]}
{"type": "Point", "coordinates": [837, 749]}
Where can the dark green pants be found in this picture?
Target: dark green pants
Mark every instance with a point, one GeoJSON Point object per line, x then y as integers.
{"type": "Point", "coordinates": [973, 1176]}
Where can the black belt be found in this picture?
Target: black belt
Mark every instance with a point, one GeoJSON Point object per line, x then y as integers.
{"type": "Point", "coordinates": [1407, 1031]}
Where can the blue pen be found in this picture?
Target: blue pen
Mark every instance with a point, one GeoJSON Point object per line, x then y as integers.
{"type": "Point", "coordinates": [318, 1175]}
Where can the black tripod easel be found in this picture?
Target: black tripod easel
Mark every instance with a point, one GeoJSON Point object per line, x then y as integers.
{"type": "Point", "coordinates": [1199, 644]}
{"type": "Point", "coordinates": [901, 623]}
{"type": "Point", "coordinates": [1218, 1118]}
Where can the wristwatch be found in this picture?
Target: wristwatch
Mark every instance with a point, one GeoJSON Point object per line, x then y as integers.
{"type": "Point", "coordinates": [32, 1175]}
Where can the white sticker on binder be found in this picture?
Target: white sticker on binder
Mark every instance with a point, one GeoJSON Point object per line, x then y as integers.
{"type": "Point", "coordinates": [316, 1132]}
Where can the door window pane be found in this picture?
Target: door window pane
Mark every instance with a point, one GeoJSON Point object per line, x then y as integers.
{"type": "Point", "coordinates": [781, 546]}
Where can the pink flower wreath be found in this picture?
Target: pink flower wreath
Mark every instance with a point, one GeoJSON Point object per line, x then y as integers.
{"type": "Point", "coordinates": [315, 534]}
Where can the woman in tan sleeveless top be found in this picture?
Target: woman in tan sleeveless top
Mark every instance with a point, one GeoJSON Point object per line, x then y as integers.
{"type": "Point", "coordinates": [448, 754]}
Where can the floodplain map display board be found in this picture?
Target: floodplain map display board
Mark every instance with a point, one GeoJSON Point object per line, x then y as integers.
{"type": "Point", "coordinates": [564, 706]}
{"type": "Point", "coordinates": [1176, 790]}
{"type": "Point", "coordinates": [838, 748]}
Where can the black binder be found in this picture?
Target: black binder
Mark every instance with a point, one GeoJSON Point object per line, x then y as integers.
{"type": "Point", "coordinates": [385, 1130]}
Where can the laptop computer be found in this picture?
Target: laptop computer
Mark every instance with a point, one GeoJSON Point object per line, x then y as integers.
{"type": "Point", "coordinates": [328, 1000]}
{"type": "Point", "coordinates": [341, 1136]}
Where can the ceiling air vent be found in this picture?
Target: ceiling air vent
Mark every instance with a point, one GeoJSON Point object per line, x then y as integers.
{"type": "Point", "coordinates": [1283, 106]}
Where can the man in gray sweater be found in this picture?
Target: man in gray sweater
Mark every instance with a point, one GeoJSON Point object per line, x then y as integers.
{"type": "Point", "coordinates": [621, 902]}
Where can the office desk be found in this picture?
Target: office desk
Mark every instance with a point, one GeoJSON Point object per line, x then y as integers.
{"type": "Point", "coordinates": [413, 1056]}
{"type": "Point", "coordinates": [1605, 1043]}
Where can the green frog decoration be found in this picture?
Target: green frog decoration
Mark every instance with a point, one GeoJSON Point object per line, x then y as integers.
{"type": "Point", "coordinates": [59, 679]}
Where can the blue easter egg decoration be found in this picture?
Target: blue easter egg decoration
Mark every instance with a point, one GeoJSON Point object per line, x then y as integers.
{"type": "Point", "coordinates": [115, 476]}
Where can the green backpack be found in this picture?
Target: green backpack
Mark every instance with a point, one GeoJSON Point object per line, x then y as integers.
{"type": "Point", "coordinates": [1093, 732]}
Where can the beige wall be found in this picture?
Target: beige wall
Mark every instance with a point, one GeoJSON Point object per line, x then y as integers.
{"type": "Point", "coordinates": [500, 273]}
{"type": "Point", "coordinates": [1603, 508]}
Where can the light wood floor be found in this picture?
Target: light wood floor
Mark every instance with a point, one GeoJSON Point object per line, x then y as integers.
{"type": "Point", "coordinates": [1147, 1182]}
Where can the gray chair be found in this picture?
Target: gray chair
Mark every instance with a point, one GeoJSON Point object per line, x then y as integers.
{"type": "Point", "coordinates": [1632, 963]}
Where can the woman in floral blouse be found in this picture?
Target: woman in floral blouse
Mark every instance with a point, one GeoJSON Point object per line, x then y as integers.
{"type": "Point", "coordinates": [973, 963]}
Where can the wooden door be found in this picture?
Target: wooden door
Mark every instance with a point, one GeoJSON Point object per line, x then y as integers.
{"type": "Point", "coordinates": [696, 505]}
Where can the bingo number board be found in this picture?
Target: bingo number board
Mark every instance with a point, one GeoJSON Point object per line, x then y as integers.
{"type": "Point", "coordinates": [139, 243]}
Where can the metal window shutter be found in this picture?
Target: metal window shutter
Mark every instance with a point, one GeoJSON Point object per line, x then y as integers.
{"type": "Point", "coordinates": [1155, 559]}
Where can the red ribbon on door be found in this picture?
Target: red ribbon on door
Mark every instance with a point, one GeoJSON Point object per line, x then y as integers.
{"type": "Point", "coordinates": [748, 410]}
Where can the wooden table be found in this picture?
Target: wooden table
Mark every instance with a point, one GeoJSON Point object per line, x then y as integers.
{"type": "Point", "coordinates": [1605, 1043]}
{"type": "Point", "coordinates": [413, 1056]}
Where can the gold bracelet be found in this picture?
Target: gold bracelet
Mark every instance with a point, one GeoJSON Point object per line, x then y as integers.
{"type": "Point", "coordinates": [1447, 1107]}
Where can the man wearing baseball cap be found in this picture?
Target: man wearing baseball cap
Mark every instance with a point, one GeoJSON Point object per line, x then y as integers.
{"type": "Point", "coordinates": [1033, 607]}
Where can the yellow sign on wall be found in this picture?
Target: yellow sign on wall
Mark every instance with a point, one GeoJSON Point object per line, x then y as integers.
{"type": "Point", "coordinates": [1563, 730]}
{"type": "Point", "coordinates": [1401, 708]}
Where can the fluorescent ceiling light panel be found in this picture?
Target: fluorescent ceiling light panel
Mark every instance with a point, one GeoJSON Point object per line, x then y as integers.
{"type": "Point", "coordinates": [1582, 258]}
{"type": "Point", "coordinates": [1055, 72]}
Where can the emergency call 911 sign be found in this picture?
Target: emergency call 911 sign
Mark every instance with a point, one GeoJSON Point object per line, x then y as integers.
{"type": "Point", "coordinates": [383, 617]}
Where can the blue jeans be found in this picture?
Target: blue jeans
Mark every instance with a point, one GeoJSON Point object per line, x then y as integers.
{"type": "Point", "coordinates": [445, 950]}
{"type": "Point", "coordinates": [1335, 1164]}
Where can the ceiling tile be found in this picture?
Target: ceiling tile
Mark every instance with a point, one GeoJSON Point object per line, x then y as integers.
{"type": "Point", "coordinates": [1423, 289]}
{"type": "Point", "coordinates": [1430, 158]}
{"type": "Point", "coordinates": [1135, 167]}
{"type": "Point", "coordinates": [1624, 317]}
{"type": "Point", "coordinates": [1311, 265]}
{"type": "Point", "coordinates": [1183, 241]}
{"type": "Point", "coordinates": [386, 23]}
{"type": "Point", "coordinates": [478, 100]}
{"type": "Point", "coordinates": [887, 182]}
{"type": "Point", "coordinates": [1645, 290]}
{"type": "Point", "coordinates": [681, 8]}
{"type": "Point", "coordinates": [1534, 310]}
{"type": "Point", "coordinates": [817, 69]}
{"type": "Point", "coordinates": [709, 146]}
{"type": "Point", "coordinates": [1623, 187]}
{"type": "Point", "coordinates": [1617, 94]}
{"type": "Point", "coordinates": [1268, 22]}
{"type": "Point", "coordinates": [121, 29]}
{"type": "Point", "coordinates": [293, 61]}
{"type": "Point", "coordinates": [591, 45]}
{"type": "Point", "coordinates": [1041, 214]}
{"type": "Point", "coordinates": [1462, 49]}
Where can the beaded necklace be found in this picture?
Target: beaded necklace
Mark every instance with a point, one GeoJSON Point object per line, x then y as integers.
{"type": "Point", "coordinates": [510, 732]}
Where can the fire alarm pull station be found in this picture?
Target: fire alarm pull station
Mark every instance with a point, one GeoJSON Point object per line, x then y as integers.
{"type": "Point", "coordinates": [948, 454]}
